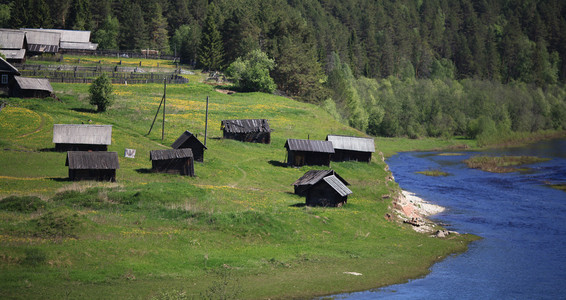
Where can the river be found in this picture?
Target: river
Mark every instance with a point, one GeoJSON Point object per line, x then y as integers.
{"type": "Point", "coordinates": [522, 222]}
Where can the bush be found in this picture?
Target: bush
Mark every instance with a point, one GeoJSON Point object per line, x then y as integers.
{"type": "Point", "coordinates": [101, 93]}
{"type": "Point", "coordinates": [22, 204]}
{"type": "Point", "coordinates": [58, 224]}
{"type": "Point", "coordinates": [252, 72]}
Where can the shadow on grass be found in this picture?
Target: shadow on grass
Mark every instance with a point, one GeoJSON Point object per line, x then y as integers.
{"type": "Point", "coordinates": [298, 205]}
{"type": "Point", "coordinates": [60, 179]}
{"type": "Point", "coordinates": [277, 163]}
{"type": "Point", "coordinates": [144, 171]}
{"type": "Point", "coordinates": [84, 110]}
{"type": "Point", "coordinates": [52, 149]}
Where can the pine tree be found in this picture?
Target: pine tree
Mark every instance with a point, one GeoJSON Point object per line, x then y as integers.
{"type": "Point", "coordinates": [158, 38]}
{"type": "Point", "coordinates": [79, 15]}
{"type": "Point", "coordinates": [211, 52]}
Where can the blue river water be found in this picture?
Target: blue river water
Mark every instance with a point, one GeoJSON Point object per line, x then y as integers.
{"type": "Point", "coordinates": [522, 222]}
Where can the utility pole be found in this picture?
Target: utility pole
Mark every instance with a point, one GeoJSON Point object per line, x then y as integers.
{"type": "Point", "coordinates": [206, 121]}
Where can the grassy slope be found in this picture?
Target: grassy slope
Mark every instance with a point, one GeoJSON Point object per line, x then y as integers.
{"type": "Point", "coordinates": [151, 233]}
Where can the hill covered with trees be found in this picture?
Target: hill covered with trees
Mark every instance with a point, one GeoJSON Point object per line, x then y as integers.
{"type": "Point", "coordinates": [355, 56]}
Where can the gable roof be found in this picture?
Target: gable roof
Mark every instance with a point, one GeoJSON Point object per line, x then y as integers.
{"type": "Point", "coordinates": [309, 145]}
{"type": "Point", "coordinates": [75, 36]}
{"type": "Point", "coordinates": [12, 39]}
{"type": "Point", "coordinates": [313, 176]}
{"type": "Point", "coordinates": [170, 154]}
{"type": "Point", "coordinates": [13, 53]}
{"type": "Point", "coordinates": [337, 185]}
{"type": "Point", "coordinates": [351, 143]}
{"type": "Point", "coordinates": [82, 134]}
{"type": "Point", "coordinates": [6, 67]}
{"type": "Point", "coordinates": [38, 84]}
{"type": "Point", "coordinates": [245, 125]}
{"type": "Point", "coordinates": [97, 160]}
{"type": "Point", "coordinates": [42, 37]}
{"type": "Point", "coordinates": [185, 136]}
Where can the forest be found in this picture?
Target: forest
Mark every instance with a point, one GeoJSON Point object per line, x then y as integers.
{"type": "Point", "coordinates": [411, 68]}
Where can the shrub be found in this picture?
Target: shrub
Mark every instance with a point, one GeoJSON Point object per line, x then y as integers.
{"type": "Point", "coordinates": [58, 224]}
{"type": "Point", "coordinates": [252, 72]}
{"type": "Point", "coordinates": [101, 93]}
{"type": "Point", "coordinates": [34, 257]}
{"type": "Point", "coordinates": [22, 204]}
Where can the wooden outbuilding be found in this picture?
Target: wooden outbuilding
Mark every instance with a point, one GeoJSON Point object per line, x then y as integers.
{"type": "Point", "coordinates": [329, 191]}
{"type": "Point", "coordinates": [70, 40]}
{"type": "Point", "coordinates": [308, 152]}
{"type": "Point", "coordinates": [312, 177]}
{"type": "Point", "coordinates": [82, 137]}
{"type": "Point", "coordinates": [14, 56]}
{"type": "Point", "coordinates": [247, 130]}
{"type": "Point", "coordinates": [40, 42]}
{"type": "Point", "coordinates": [7, 74]}
{"type": "Point", "coordinates": [351, 148]}
{"type": "Point", "coordinates": [86, 165]}
{"type": "Point", "coordinates": [189, 140]}
{"type": "Point", "coordinates": [174, 161]}
{"type": "Point", "coordinates": [25, 87]}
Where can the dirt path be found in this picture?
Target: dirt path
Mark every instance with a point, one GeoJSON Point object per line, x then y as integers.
{"type": "Point", "coordinates": [41, 125]}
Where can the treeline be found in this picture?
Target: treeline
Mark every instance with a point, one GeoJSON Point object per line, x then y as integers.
{"type": "Point", "coordinates": [324, 49]}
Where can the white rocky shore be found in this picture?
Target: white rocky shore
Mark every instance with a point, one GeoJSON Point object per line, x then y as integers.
{"type": "Point", "coordinates": [415, 210]}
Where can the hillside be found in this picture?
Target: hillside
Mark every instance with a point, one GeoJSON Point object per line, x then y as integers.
{"type": "Point", "coordinates": [236, 229]}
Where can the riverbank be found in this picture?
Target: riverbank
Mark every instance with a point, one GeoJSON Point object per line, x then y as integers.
{"type": "Point", "coordinates": [414, 210]}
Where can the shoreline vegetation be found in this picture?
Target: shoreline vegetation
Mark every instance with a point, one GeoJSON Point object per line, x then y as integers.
{"type": "Point", "coordinates": [433, 173]}
{"type": "Point", "coordinates": [502, 164]}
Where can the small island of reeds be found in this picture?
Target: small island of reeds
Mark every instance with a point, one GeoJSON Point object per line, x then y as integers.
{"type": "Point", "coordinates": [501, 164]}
{"type": "Point", "coordinates": [433, 172]}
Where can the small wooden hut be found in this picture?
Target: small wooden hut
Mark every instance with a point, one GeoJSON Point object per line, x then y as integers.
{"type": "Point", "coordinates": [312, 177]}
{"type": "Point", "coordinates": [7, 74]}
{"type": "Point", "coordinates": [174, 161]}
{"type": "Point", "coordinates": [247, 130]}
{"type": "Point", "coordinates": [82, 137]}
{"type": "Point", "coordinates": [25, 87]}
{"type": "Point", "coordinates": [40, 42]}
{"type": "Point", "coordinates": [308, 152]}
{"type": "Point", "coordinates": [13, 45]}
{"type": "Point", "coordinates": [351, 148]}
{"type": "Point", "coordinates": [86, 165]}
{"type": "Point", "coordinates": [329, 191]}
{"type": "Point", "coordinates": [188, 140]}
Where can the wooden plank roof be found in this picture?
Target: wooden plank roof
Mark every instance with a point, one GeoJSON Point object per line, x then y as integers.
{"type": "Point", "coordinates": [97, 160]}
{"type": "Point", "coordinates": [337, 185]}
{"type": "Point", "coordinates": [311, 177]}
{"type": "Point", "coordinates": [351, 143]}
{"type": "Point", "coordinates": [185, 136]}
{"type": "Point", "coordinates": [6, 67]}
{"type": "Point", "coordinates": [38, 84]}
{"type": "Point", "coordinates": [82, 134]}
{"type": "Point", "coordinates": [12, 39]}
{"type": "Point", "coordinates": [74, 36]}
{"type": "Point", "coordinates": [42, 37]}
{"type": "Point", "coordinates": [245, 125]}
{"type": "Point", "coordinates": [170, 154]}
{"type": "Point", "coordinates": [13, 53]}
{"type": "Point", "coordinates": [309, 145]}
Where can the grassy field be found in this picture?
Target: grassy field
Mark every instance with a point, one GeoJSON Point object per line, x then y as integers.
{"type": "Point", "coordinates": [234, 230]}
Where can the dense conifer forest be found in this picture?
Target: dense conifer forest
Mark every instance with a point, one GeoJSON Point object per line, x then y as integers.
{"type": "Point", "coordinates": [393, 68]}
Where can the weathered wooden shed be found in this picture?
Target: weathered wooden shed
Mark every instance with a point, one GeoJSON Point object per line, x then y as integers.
{"type": "Point", "coordinates": [351, 148]}
{"type": "Point", "coordinates": [308, 152]}
{"type": "Point", "coordinates": [14, 56]}
{"type": "Point", "coordinates": [25, 87]}
{"type": "Point", "coordinates": [13, 45]}
{"type": "Point", "coordinates": [329, 191]}
{"type": "Point", "coordinates": [174, 161]}
{"type": "Point", "coordinates": [247, 130]}
{"type": "Point", "coordinates": [189, 140]}
{"type": "Point", "coordinates": [7, 74]}
{"type": "Point", "coordinates": [86, 165]}
{"type": "Point", "coordinates": [311, 178]}
{"type": "Point", "coordinates": [70, 40]}
{"type": "Point", "coordinates": [82, 137]}
{"type": "Point", "coordinates": [40, 42]}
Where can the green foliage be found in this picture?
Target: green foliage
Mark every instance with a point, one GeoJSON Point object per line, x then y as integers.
{"type": "Point", "coordinates": [22, 203]}
{"type": "Point", "coordinates": [101, 93]}
{"type": "Point", "coordinates": [5, 15]}
{"type": "Point", "coordinates": [251, 73]}
{"type": "Point", "coordinates": [211, 50]}
{"type": "Point", "coordinates": [107, 34]}
{"type": "Point", "coordinates": [34, 257]}
{"type": "Point", "coordinates": [185, 43]}
{"type": "Point", "coordinates": [58, 224]}
{"type": "Point", "coordinates": [225, 287]}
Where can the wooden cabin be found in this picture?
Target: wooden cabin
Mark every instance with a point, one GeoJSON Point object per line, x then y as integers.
{"type": "Point", "coordinates": [188, 140]}
{"type": "Point", "coordinates": [82, 137]}
{"type": "Point", "coordinates": [86, 165]}
{"type": "Point", "coordinates": [311, 178]}
{"type": "Point", "coordinates": [308, 152]}
{"type": "Point", "coordinates": [7, 74]}
{"type": "Point", "coordinates": [70, 41]}
{"type": "Point", "coordinates": [348, 148]}
{"type": "Point", "coordinates": [40, 41]}
{"type": "Point", "coordinates": [329, 191]}
{"type": "Point", "coordinates": [174, 161]}
{"type": "Point", "coordinates": [13, 45]}
{"type": "Point", "coordinates": [247, 130]}
{"type": "Point", "coordinates": [25, 87]}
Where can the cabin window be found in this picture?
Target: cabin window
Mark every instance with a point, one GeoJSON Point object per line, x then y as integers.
{"type": "Point", "coordinates": [4, 79]}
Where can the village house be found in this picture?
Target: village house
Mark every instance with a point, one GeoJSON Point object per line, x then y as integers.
{"type": "Point", "coordinates": [25, 87]}
{"type": "Point", "coordinates": [247, 130]}
{"type": "Point", "coordinates": [174, 161]}
{"type": "Point", "coordinates": [312, 177]}
{"type": "Point", "coordinates": [351, 148]}
{"type": "Point", "coordinates": [188, 140]}
{"type": "Point", "coordinates": [86, 165]}
{"type": "Point", "coordinates": [70, 41]}
{"type": "Point", "coordinates": [308, 152]}
{"type": "Point", "coordinates": [82, 137]}
{"type": "Point", "coordinates": [329, 191]}
{"type": "Point", "coordinates": [13, 45]}
{"type": "Point", "coordinates": [40, 42]}
{"type": "Point", "coordinates": [7, 74]}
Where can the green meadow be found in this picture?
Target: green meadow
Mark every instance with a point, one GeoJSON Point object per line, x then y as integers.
{"type": "Point", "coordinates": [236, 230]}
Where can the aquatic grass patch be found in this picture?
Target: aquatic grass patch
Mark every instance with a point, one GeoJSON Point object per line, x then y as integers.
{"type": "Point", "coordinates": [558, 186]}
{"type": "Point", "coordinates": [433, 173]}
{"type": "Point", "coordinates": [501, 164]}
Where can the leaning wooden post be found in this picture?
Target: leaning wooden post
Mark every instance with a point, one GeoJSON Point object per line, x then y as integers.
{"type": "Point", "coordinates": [206, 121]}
{"type": "Point", "coordinates": [164, 99]}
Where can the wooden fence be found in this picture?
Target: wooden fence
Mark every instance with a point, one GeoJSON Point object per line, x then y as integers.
{"type": "Point", "coordinates": [116, 77]}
